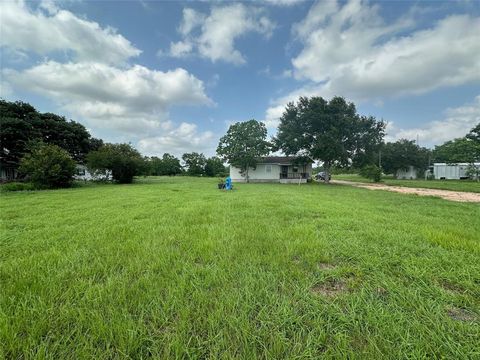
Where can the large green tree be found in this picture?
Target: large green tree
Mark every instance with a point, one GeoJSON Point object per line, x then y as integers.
{"type": "Point", "coordinates": [243, 144]}
{"type": "Point", "coordinates": [214, 167]}
{"type": "Point", "coordinates": [402, 154]}
{"type": "Point", "coordinates": [458, 150]}
{"type": "Point", "coordinates": [167, 165]}
{"type": "Point", "coordinates": [194, 163]}
{"type": "Point", "coordinates": [121, 160]}
{"type": "Point", "coordinates": [21, 123]}
{"type": "Point", "coordinates": [48, 166]}
{"type": "Point", "coordinates": [329, 131]}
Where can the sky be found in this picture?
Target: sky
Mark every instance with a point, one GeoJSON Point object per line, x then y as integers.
{"type": "Point", "coordinates": [172, 76]}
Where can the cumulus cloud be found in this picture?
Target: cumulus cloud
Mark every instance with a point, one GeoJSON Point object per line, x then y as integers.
{"type": "Point", "coordinates": [356, 54]}
{"type": "Point", "coordinates": [184, 138]}
{"type": "Point", "coordinates": [457, 122]}
{"type": "Point", "coordinates": [349, 50]}
{"type": "Point", "coordinates": [134, 99]}
{"type": "Point", "coordinates": [55, 30]}
{"type": "Point", "coordinates": [213, 37]}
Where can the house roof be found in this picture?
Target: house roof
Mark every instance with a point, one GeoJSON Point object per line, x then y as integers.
{"type": "Point", "coordinates": [280, 160]}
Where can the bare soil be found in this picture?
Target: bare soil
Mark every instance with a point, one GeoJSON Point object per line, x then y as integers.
{"type": "Point", "coordinates": [330, 288]}
{"type": "Point", "coordinates": [444, 194]}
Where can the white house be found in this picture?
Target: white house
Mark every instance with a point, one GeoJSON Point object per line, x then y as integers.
{"type": "Point", "coordinates": [452, 171]}
{"type": "Point", "coordinates": [280, 169]}
{"type": "Point", "coordinates": [82, 173]}
{"type": "Point", "coordinates": [410, 173]}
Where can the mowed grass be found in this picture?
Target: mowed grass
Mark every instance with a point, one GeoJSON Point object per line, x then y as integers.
{"type": "Point", "coordinates": [174, 268]}
{"type": "Point", "coordinates": [455, 185]}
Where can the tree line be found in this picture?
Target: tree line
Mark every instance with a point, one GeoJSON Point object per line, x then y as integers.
{"type": "Point", "coordinates": [334, 134]}
{"type": "Point", "coordinates": [45, 148]}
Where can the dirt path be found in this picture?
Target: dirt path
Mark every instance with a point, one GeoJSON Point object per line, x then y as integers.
{"type": "Point", "coordinates": [444, 194]}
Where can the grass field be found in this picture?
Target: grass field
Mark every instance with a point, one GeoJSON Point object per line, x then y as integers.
{"type": "Point", "coordinates": [455, 185]}
{"type": "Point", "coordinates": [174, 268]}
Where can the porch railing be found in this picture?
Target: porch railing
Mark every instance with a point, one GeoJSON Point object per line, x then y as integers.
{"type": "Point", "coordinates": [296, 175]}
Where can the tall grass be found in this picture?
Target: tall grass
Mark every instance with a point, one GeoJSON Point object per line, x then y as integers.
{"type": "Point", "coordinates": [174, 267]}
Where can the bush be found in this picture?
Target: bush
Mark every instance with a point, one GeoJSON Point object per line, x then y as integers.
{"type": "Point", "coordinates": [122, 160]}
{"type": "Point", "coordinates": [372, 172]}
{"type": "Point", "coordinates": [48, 166]}
{"type": "Point", "coordinates": [17, 186]}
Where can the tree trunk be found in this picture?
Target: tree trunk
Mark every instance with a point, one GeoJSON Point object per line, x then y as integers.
{"type": "Point", "coordinates": [248, 180]}
{"type": "Point", "coordinates": [326, 170]}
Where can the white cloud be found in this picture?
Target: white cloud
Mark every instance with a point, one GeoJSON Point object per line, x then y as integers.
{"type": "Point", "coordinates": [58, 30]}
{"type": "Point", "coordinates": [218, 32]}
{"type": "Point", "coordinates": [348, 50]}
{"type": "Point", "coordinates": [355, 54]}
{"type": "Point", "coordinates": [283, 2]}
{"type": "Point", "coordinates": [457, 122]}
{"type": "Point", "coordinates": [134, 99]}
{"type": "Point", "coordinates": [184, 138]}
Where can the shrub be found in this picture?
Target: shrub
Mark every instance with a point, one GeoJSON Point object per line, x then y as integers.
{"type": "Point", "coordinates": [372, 172]}
{"type": "Point", "coordinates": [48, 166]}
{"type": "Point", "coordinates": [17, 186]}
{"type": "Point", "coordinates": [122, 160]}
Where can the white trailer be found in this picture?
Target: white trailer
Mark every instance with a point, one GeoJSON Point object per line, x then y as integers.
{"type": "Point", "coordinates": [451, 171]}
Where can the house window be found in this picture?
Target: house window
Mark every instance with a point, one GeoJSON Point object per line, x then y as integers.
{"type": "Point", "coordinates": [295, 169]}
{"type": "Point", "coordinates": [268, 168]}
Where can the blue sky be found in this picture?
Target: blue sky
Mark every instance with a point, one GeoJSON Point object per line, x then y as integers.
{"type": "Point", "coordinates": [172, 76]}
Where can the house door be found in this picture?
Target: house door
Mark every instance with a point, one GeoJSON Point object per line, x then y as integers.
{"type": "Point", "coordinates": [284, 172]}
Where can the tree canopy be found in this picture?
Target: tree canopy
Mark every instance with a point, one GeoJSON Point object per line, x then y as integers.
{"type": "Point", "coordinates": [329, 131]}
{"type": "Point", "coordinates": [243, 144]}
{"type": "Point", "coordinates": [48, 166]}
{"type": "Point", "coordinates": [21, 123]}
{"type": "Point", "coordinates": [122, 160]}
{"type": "Point", "coordinates": [402, 154]}
{"type": "Point", "coordinates": [194, 163]}
{"type": "Point", "coordinates": [167, 165]}
{"type": "Point", "coordinates": [465, 149]}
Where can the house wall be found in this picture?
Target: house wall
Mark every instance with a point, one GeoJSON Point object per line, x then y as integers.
{"type": "Point", "coordinates": [410, 173]}
{"type": "Point", "coordinates": [261, 173]}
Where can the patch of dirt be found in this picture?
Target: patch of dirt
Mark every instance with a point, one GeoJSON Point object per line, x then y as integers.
{"type": "Point", "coordinates": [330, 288]}
{"type": "Point", "coordinates": [459, 314]}
{"type": "Point", "coordinates": [381, 292]}
{"type": "Point", "coordinates": [326, 266]}
{"type": "Point", "coordinates": [444, 194]}
{"type": "Point", "coordinates": [451, 287]}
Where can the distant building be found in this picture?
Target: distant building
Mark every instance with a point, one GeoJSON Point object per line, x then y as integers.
{"type": "Point", "coordinates": [82, 173]}
{"type": "Point", "coordinates": [452, 171]}
{"type": "Point", "coordinates": [280, 169]}
{"type": "Point", "coordinates": [410, 173]}
{"type": "Point", "coordinates": [8, 171]}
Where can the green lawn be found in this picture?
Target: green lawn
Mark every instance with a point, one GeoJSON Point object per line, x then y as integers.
{"type": "Point", "coordinates": [174, 268]}
{"type": "Point", "coordinates": [455, 185]}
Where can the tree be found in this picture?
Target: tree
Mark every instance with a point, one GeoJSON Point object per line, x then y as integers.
{"type": "Point", "coordinates": [243, 144]}
{"type": "Point", "coordinates": [122, 160]}
{"type": "Point", "coordinates": [402, 154]}
{"type": "Point", "coordinates": [48, 166]}
{"type": "Point", "coordinates": [474, 134]}
{"type": "Point", "coordinates": [195, 163]}
{"type": "Point", "coordinates": [21, 123]}
{"type": "Point", "coordinates": [169, 165]}
{"type": "Point", "coordinates": [215, 167]}
{"type": "Point", "coordinates": [329, 131]}
{"type": "Point", "coordinates": [372, 172]}
{"type": "Point", "coordinates": [457, 150]}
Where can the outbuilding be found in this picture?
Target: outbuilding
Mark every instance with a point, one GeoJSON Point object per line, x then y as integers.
{"type": "Point", "coordinates": [455, 171]}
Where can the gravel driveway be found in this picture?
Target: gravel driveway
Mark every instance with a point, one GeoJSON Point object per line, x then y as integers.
{"type": "Point", "coordinates": [444, 194]}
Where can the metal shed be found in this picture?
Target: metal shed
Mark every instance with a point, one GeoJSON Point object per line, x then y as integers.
{"type": "Point", "coordinates": [451, 171]}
